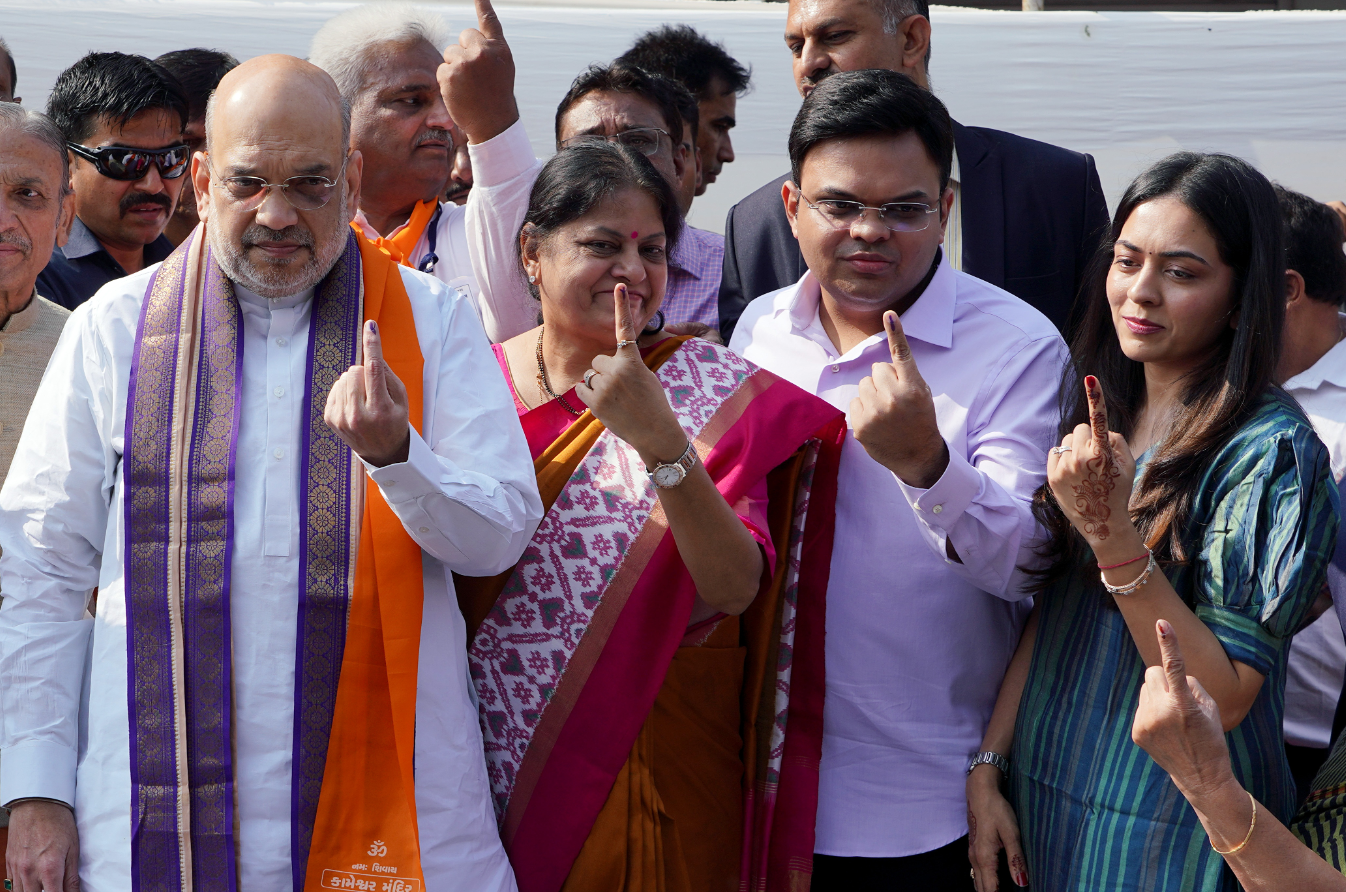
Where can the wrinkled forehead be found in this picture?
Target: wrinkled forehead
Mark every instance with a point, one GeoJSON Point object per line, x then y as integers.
{"type": "Point", "coordinates": [398, 65]}
{"type": "Point", "coordinates": [609, 112]}
{"type": "Point", "coordinates": [26, 159]}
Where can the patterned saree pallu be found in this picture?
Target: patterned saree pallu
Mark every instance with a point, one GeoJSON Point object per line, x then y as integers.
{"type": "Point", "coordinates": [563, 662]}
{"type": "Point", "coordinates": [182, 424]}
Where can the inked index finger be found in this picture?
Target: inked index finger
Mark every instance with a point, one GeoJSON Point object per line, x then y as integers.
{"type": "Point", "coordinates": [488, 23]}
{"type": "Point", "coordinates": [1175, 668]}
{"type": "Point", "coordinates": [621, 305]}
{"type": "Point", "coordinates": [897, 338]}
{"type": "Point", "coordinates": [374, 365]}
{"type": "Point", "coordinates": [1098, 413]}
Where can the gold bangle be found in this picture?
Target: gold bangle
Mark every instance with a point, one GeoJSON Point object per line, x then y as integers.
{"type": "Point", "coordinates": [1238, 848]}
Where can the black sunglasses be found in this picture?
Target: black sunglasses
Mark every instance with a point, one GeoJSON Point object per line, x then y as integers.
{"type": "Point", "coordinates": [121, 163]}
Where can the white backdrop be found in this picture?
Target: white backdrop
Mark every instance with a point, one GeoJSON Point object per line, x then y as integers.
{"type": "Point", "coordinates": [1127, 87]}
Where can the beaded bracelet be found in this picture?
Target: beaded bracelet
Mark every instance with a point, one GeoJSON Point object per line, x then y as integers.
{"type": "Point", "coordinates": [1130, 587]}
{"type": "Point", "coordinates": [1251, 827]}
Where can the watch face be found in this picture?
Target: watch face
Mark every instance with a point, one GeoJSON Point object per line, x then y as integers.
{"type": "Point", "coordinates": [668, 476]}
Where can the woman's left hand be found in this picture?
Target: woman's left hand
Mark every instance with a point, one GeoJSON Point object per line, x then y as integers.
{"type": "Point", "coordinates": [1091, 474]}
{"type": "Point", "coordinates": [627, 397]}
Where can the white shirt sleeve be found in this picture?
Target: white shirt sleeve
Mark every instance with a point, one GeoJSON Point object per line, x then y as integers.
{"type": "Point", "coordinates": [53, 523]}
{"type": "Point", "coordinates": [467, 492]}
{"type": "Point", "coordinates": [503, 171]}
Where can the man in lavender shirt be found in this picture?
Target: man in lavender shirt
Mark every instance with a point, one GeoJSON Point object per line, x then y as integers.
{"type": "Point", "coordinates": [950, 388]}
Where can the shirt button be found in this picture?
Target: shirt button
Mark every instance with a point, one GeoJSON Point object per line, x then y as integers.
{"type": "Point", "coordinates": [836, 368]}
{"type": "Point", "coordinates": [937, 509]}
{"type": "Point", "coordinates": [425, 529]}
{"type": "Point", "coordinates": [281, 342]}
{"type": "Point", "coordinates": [279, 453]}
{"type": "Point", "coordinates": [279, 391]}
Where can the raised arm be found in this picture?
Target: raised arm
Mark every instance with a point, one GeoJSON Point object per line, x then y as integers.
{"type": "Point", "coordinates": [477, 82]}
{"type": "Point", "coordinates": [1091, 475]}
{"type": "Point", "coordinates": [1179, 725]}
{"type": "Point", "coordinates": [721, 555]}
{"type": "Point", "coordinates": [973, 503]}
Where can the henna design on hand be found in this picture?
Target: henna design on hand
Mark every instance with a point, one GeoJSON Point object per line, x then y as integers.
{"type": "Point", "coordinates": [1092, 496]}
{"type": "Point", "coordinates": [1019, 870]}
{"type": "Point", "coordinates": [971, 828]}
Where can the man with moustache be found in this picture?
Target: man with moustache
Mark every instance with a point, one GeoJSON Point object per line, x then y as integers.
{"type": "Point", "coordinates": [413, 102]}
{"type": "Point", "coordinates": [123, 118]}
{"type": "Point", "coordinates": [198, 71]}
{"type": "Point", "coordinates": [1026, 215]}
{"type": "Point", "coordinates": [950, 387]}
{"type": "Point", "coordinates": [269, 454]}
{"type": "Point", "coordinates": [656, 116]}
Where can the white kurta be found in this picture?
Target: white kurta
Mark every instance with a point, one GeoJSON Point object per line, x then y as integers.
{"type": "Point", "coordinates": [477, 244]}
{"type": "Point", "coordinates": [467, 495]}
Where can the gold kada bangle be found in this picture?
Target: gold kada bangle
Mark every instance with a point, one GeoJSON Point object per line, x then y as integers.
{"type": "Point", "coordinates": [1251, 827]}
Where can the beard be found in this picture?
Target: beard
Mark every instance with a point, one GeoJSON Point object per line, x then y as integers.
{"type": "Point", "coordinates": [277, 278]}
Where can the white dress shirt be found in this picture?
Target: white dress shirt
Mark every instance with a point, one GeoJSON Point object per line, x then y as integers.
{"type": "Point", "coordinates": [917, 644]}
{"type": "Point", "coordinates": [467, 495]}
{"type": "Point", "coordinates": [1317, 664]}
{"type": "Point", "coordinates": [478, 243]}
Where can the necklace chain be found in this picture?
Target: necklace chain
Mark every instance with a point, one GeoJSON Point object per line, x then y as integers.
{"type": "Point", "coordinates": [545, 382]}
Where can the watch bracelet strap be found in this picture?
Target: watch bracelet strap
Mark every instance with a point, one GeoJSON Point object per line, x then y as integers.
{"type": "Point", "coordinates": [686, 461]}
{"type": "Point", "coordinates": [988, 758]}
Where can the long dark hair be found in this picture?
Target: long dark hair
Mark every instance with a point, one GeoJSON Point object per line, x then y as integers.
{"type": "Point", "coordinates": [1240, 209]}
{"type": "Point", "coordinates": [579, 178]}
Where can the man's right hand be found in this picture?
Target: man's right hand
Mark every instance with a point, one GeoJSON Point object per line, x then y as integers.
{"type": "Point", "coordinates": [43, 853]}
{"type": "Point", "coordinates": [477, 79]}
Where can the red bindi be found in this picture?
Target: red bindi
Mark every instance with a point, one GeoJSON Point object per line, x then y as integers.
{"type": "Point", "coordinates": [635, 235]}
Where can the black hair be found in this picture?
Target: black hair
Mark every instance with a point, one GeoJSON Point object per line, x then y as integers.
{"type": "Point", "coordinates": [690, 58]}
{"type": "Point", "coordinates": [115, 86]}
{"type": "Point", "coordinates": [13, 69]}
{"type": "Point", "coordinates": [577, 179]}
{"type": "Point", "coordinates": [1239, 208]}
{"type": "Point", "coordinates": [1313, 237]}
{"type": "Point", "coordinates": [671, 98]}
{"type": "Point", "coordinates": [199, 71]}
{"type": "Point", "coordinates": [872, 102]}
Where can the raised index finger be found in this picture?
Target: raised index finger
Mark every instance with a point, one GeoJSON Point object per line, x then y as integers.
{"type": "Point", "coordinates": [1175, 668]}
{"type": "Point", "coordinates": [897, 339]}
{"type": "Point", "coordinates": [621, 305]}
{"type": "Point", "coordinates": [1098, 413]}
{"type": "Point", "coordinates": [488, 23]}
{"type": "Point", "coordinates": [374, 365]}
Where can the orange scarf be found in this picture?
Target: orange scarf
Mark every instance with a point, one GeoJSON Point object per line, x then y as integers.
{"type": "Point", "coordinates": [400, 246]}
{"type": "Point", "coordinates": [365, 829]}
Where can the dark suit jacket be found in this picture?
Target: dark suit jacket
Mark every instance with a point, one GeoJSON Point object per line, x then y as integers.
{"type": "Point", "coordinates": [1033, 215]}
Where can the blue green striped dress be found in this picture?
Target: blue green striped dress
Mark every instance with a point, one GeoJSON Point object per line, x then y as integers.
{"type": "Point", "coordinates": [1095, 812]}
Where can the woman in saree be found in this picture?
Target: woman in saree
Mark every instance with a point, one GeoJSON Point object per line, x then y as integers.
{"type": "Point", "coordinates": [1222, 526]}
{"type": "Point", "coordinates": [649, 675]}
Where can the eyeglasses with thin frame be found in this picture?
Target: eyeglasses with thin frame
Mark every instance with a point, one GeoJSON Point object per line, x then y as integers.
{"type": "Point", "coordinates": [898, 216]}
{"type": "Point", "coordinates": [644, 140]}
{"type": "Point", "coordinates": [129, 164]}
{"type": "Point", "coordinates": [304, 193]}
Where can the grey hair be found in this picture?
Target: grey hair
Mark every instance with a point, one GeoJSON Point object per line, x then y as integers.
{"type": "Point", "coordinates": [345, 119]}
{"type": "Point", "coordinates": [348, 45]}
{"type": "Point", "coordinates": [43, 129]}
